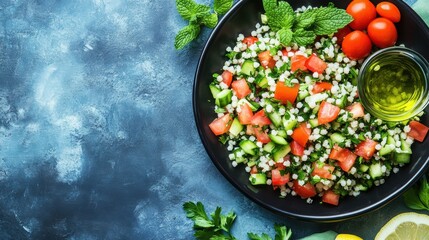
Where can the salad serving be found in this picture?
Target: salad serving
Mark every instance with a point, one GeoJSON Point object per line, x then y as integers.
{"type": "Point", "coordinates": [288, 107]}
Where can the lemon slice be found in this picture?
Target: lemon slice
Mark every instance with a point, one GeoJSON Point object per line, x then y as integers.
{"type": "Point", "coordinates": [344, 236]}
{"type": "Point", "coordinates": [410, 226]}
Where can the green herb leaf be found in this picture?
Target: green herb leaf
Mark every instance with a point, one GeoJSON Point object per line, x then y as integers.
{"type": "Point", "coordinates": [303, 37]}
{"type": "Point", "coordinates": [186, 35]}
{"type": "Point", "coordinates": [279, 14]}
{"type": "Point", "coordinates": [194, 210]}
{"type": "Point", "coordinates": [424, 192]}
{"type": "Point", "coordinates": [222, 6]}
{"type": "Point", "coordinates": [285, 36]}
{"type": "Point", "coordinates": [329, 19]}
{"type": "Point", "coordinates": [186, 8]}
{"type": "Point", "coordinates": [227, 221]}
{"type": "Point", "coordinates": [412, 200]}
{"type": "Point", "coordinates": [282, 233]}
{"type": "Point", "coordinates": [305, 19]}
{"type": "Point", "coordinates": [210, 20]}
{"type": "Point", "coordinates": [253, 236]}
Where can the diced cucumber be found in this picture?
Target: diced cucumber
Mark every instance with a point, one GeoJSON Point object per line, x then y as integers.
{"type": "Point", "coordinates": [258, 178]}
{"type": "Point", "coordinates": [316, 109]}
{"type": "Point", "coordinates": [263, 82]}
{"type": "Point", "coordinates": [363, 168]}
{"type": "Point", "coordinates": [289, 124]}
{"type": "Point", "coordinates": [343, 102]}
{"type": "Point", "coordinates": [337, 138]}
{"type": "Point", "coordinates": [214, 90]}
{"type": "Point", "coordinates": [275, 118]}
{"type": "Point", "coordinates": [236, 127]}
{"type": "Point", "coordinates": [248, 147]}
{"type": "Point", "coordinates": [277, 139]}
{"type": "Point", "coordinates": [239, 153]}
{"type": "Point", "coordinates": [248, 68]}
{"type": "Point", "coordinates": [388, 148]}
{"type": "Point", "coordinates": [361, 187]}
{"type": "Point", "coordinates": [281, 133]}
{"type": "Point", "coordinates": [375, 170]}
{"type": "Point", "coordinates": [264, 19]}
{"type": "Point", "coordinates": [251, 104]}
{"type": "Point", "coordinates": [401, 157]}
{"type": "Point", "coordinates": [223, 98]}
{"type": "Point", "coordinates": [405, 147]}
{"type": "Point", "coordinates": [302, 94]}
{"type": "Point", "coordinates": [313, 122]}
{"type": "Point", "coordinates": [280, 152]}
{"type": "Point", "coordinates": [269, 147]}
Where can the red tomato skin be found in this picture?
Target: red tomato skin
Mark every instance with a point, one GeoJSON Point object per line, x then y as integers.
{"type": "Point", "coordinates": [340, 34]}
{"type": "Point", "coordinates": [245, 115]}
{"type": "Point", "coordinates": [346, 158]}
{"type": "Point", "coordinates": [296, 148]}
{"type": "Point", "coordinates": [262, 136]}
{"type": "Point", "coordinates": [324, 171]}
{"type": "Point", "coordinates": [260, 119]}
{"type": "Point", "coordinates": [305, 191]}
{"type": "Point", "coordinates": [321, 87]}
{"type": "Point", "coordinates": [330, 197]}
{"type": "Point", "coordinates": [285, 93]}
{"type": "Point", "coordinates": [418, 131]}
{"type": "Point", "coordinates": [327, 112]}
{"type": "Point", "coordinates": [356, 109]}
{"type": "Point", "coordinates": [388, 10]}
{"type": "Point", "coordinates": [250, 40]}
{"type": "Point", "coordinates": [278, 179]}
{"type": "Point", "coordinates": [353, 39]}
{"type": "Point", "coordinates": [266, 60]}
{"type": "Point", "coordinates": [301, 134]}
{"type": "Point", "coordinates": [227, 77]}
{"type": "Point", "coordinates": [298, 62]}
{"type": "Point", "coordinates": [221, 125]}
{"type": "Point", "coordinates": [315, 64]}
{"type": "Point", "coordinates": [382, 32]}
{"type": "Point", "coordinates": [363, 12]}
{"type": "Point", "coordinates": [241, 88]}
{"type": "Point", "coordinates": [366, 148]}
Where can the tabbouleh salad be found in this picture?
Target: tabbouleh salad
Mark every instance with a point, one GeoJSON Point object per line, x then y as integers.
{"type": "Point", "coordinates": [292, 116]}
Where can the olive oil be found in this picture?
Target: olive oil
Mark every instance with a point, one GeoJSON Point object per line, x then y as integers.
{"type": "Point", "coordinates": [393, 85]}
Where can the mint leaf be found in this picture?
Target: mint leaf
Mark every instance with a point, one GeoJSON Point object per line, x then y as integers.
{"type": "Point", "coordinates": [303, 37]}
{"type": "Point", "coordinates": [305, 19]}
{"type": "Point", "coordinates": [210, 20]}
{"type": "Point", "coordinates": [186, 35]}
{"type": "Point", "coordinates": [201, 10]}
{"type": "Point", "coordinates": [222, 6]}
{"type": "Point", "coordinates": [329, 19]}
{"type": "Point", "coordinates": [279, 14]}
{"type": "Point", "coordinates": [282, 233]}
{"type": "Point", "coordinates": [285, 36]}
{"type": "Point", "coordinates": [186, 8]}
{"type": "Point", "coordinates": [253, 236]}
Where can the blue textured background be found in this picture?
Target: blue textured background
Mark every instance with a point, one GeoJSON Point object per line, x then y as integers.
{"type": "Point", "coordinates": [97, 136]}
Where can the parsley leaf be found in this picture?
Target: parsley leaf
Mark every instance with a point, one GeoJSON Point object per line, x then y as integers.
{"type": "Point", "coordinates": [222, 6]}
{"type": "Point", "coordinates": [253, 236]}
{"type": "Point", "coordinates": [417, 197]}
{"type": "Point", "coordinates": [279, 14]}
{"type": "Point", "coordinates": [282, 233]}
{"type": "Point", "coordinates": [186, 35]}
{"type": "Point", "coordinates": [329, 19]}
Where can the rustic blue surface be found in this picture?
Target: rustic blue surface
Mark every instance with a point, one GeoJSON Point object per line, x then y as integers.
{"type": "Point", "coordinates": [97, 136]}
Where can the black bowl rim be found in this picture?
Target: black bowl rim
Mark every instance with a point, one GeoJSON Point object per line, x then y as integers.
{"type": "Point", "coordinates": [332, 218]}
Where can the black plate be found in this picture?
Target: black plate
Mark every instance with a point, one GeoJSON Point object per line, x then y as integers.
{"type": "Point", "coordinates": [242, 19]}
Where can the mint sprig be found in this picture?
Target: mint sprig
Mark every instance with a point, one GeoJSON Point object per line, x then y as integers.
{"type": "Point", "coordinates": [198, 15]}
{"type": "Point", "coordinates": [303, 28]}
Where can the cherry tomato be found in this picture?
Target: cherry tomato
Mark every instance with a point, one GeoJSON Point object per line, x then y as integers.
{"type": "Point", "coordinates": [389, 11]}
{"type": "Point", "coordinates": [382, 32]}
{"type": "Point", "coordinates": [341, 33]}
{"type": "Point", "coordinates": [363, 12]}
{"type": "Point", "coordinates": [356, 45]}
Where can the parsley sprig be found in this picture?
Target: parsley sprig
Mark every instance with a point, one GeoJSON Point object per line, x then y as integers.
{"type": "Point", "coordinates": [303, 28]}
{"type": "Point", "coordinates": [417, 197]}
{"type": "Point", "coordinates": [217, 226]}
{"type": "Point", "coordinates": [198, 15]}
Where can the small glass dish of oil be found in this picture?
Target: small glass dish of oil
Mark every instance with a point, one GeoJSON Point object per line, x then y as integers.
{"type": "Point", "coordinates": [393, 83]}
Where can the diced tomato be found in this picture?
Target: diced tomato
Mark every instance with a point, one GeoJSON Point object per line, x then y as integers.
{"type": "Point", "coordinates": [278, 179]}
{"type": "Point", "coordinates": [241, 88]}
{"type": "Point", "coordinates": [321, 86]}
{"type": "Point", "coordinates": [323, 171]}
{"type": "Point", "coordinates": [305, 191]}
{"type": "Point", "coordinates": [250, 130]}
{"type": "Point", "coordinates": [266, 60]}
{"type": "Point", "coordinates": [245, 115]}
{"type": "Point", "coordinates": [254, 170]}
{"type": "Point", "coordinates": [227, 77]}
{"type": "Point", "coordinates": [298, 62]}
{"type": "Point", "coordinates": [301, 134]}
{"type": "Point", "coordinates": [315, 64]}
{"type": "Point", "coordinates": [366, 148]}
{"type": "Point", "coordinates": [250, 40]}
{"type": "Point", "coordinates": [261, 135]}
{"type": "Point", "coordinates": [356, 109]}
{"type": "Point", "coordinates": [346, 158]}
{"type": "Point", "coordinates": [418, 131]}
{"type": "Point", "coordinates": [285, 93]}
{"type": "Point", "coordinates": [221, 125]}
{"type": "Point", "coordinates": [330, 197]}
{"type": "Point", "coordinates": [260, 119]}
{"type": "Point", "coordinates": [327, 112]}
{"type": "Point", "coordinates": [296, 148]}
